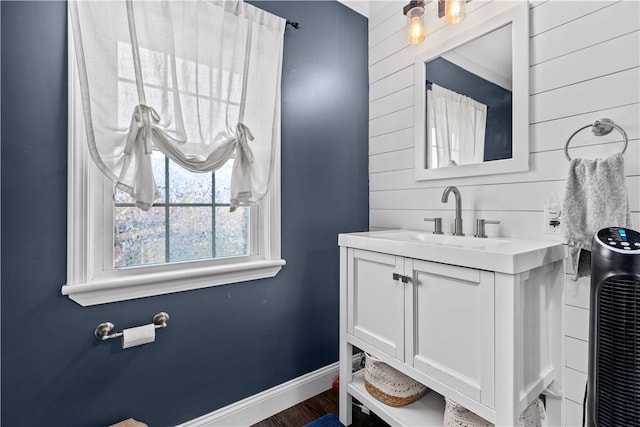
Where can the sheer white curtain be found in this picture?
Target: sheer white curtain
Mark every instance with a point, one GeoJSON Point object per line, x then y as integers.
{"type": "Point", "coordinates": [197, 80]}
{"type": "Point", "coordinates": [458, 124]}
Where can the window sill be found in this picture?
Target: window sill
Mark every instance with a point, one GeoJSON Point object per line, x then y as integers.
{"type": "Point", "coordinates": [144, 285]}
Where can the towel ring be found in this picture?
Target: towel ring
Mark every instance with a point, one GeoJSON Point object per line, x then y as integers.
{"type": "Point", "coordinates": [599, 128]}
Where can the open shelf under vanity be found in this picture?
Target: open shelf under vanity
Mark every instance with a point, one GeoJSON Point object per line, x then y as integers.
{"type": "Point", "coordinates": [426, 411]}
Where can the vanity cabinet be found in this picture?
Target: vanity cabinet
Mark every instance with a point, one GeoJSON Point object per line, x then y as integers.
{"type": "Point", "coordinates": [450, 322]}
{"type": "Point", "coordinates": [436, 318]}
{"type": "Point", "coordinates": [489, 340]}
{"type": "Point", "coordinates": [376, 296]}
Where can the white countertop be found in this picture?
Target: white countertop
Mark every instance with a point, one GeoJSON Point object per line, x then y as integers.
{"type": "Point", "coordinates": [505, 255]}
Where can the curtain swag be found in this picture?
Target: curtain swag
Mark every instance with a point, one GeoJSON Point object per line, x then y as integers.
{"type": "Point", "coordinates": [196, 80]}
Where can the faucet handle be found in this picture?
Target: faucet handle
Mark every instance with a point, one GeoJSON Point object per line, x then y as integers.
{"type": "Point", "coordinates": [437, 224]}
{"type": "Point", "coordinates": [480, 223]}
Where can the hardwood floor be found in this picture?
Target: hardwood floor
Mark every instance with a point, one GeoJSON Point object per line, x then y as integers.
{"type": "Point", "coordinates": [314, 408]}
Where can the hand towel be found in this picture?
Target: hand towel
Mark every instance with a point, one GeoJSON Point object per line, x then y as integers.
{"type": "Point", "coordinates": [595, 198]}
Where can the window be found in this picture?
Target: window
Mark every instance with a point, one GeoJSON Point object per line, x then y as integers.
{"type": "Point", "coordinates": [191, 220]}
{"type": "Point", "coordinates": [188, 239]}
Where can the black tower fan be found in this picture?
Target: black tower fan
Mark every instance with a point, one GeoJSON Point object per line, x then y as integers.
{"type": "Point", "coordinates": [613, 387]}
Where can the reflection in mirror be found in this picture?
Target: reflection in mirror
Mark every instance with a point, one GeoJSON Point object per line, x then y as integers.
{"type": "Point", "coordinates": [472, 99]}
{"type": "Point", "coordinates": [469, 102]}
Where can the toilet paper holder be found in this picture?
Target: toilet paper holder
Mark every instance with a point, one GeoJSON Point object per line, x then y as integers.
{"type": "Point", "coordinates": [104, 331]}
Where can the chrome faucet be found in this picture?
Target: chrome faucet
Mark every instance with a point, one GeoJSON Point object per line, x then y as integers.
{"type": "Point", "coordinates": [457, 225]}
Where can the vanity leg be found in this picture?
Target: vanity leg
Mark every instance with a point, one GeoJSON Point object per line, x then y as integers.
{"type": "Point", "coordinates": [507, 294]}
{"type": "Point", "coordinates": [555, 403]}
{"type": "Point", "coordinates": [346, 349]}
{"type": "Point", "coordinates": [345, 406]}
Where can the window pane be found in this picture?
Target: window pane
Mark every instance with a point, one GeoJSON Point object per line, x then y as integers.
{"type": "Point", "coordinates": [232, 232]}
{"type": "Point", "coordinates": [139, 237]}
{"type": "Point", "coordinates": [223, 182]}
{"type": "Point", "coordinates": [189, 187]}
{"type": "Point", "coordinates": [191, 233]}
{"type": "Point", "coordinates": [157, 163]}
{"type": "Point", "coordinates": [127, 100]}
{"type": "Point", "coordinates": [228, 83]}
{"type": "Point", "coordinates": [186, 70]}
{"type": "Point", "coordinates": [122, 197]}
{"type": "Point", "coordinates": [153, 65]}
{"type": "Point", "coordinates": [196, 121]}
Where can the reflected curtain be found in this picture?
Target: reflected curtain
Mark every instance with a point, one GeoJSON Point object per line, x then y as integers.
{"type": "Point", "coordinates": [457, 123]}
{"type": "Point", "coordinates": [197, 80]}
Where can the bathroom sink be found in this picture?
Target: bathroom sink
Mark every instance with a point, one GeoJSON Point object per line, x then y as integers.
{"type": "Point", "coordinates": [442, 239]}
{"type": "Point", "coordinates": [493, 254]}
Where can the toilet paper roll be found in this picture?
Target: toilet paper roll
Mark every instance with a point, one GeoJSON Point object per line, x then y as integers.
{"type": "Point", "coordinates": [137, 336]}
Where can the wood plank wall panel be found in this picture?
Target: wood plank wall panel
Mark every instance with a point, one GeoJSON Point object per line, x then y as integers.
{"type": "Point", "coordinates": [576, 354]}
{"type": "Point", "coordinates": [379, 12]}
{"type": "Point", "coordinates": [525, 195]}
{"type": "Point", "coordinates": [580, 66]}
{"type": "Point", "coordinates": [390, 142]}
{"type": "Point", "coordinates": [397, 101]}
{"type": "Point", "coordinates": [397, 81]}
{"type": "Point", "coordinates": [576, 296]}
{"type": "Point", "coordinates": [608, 91]}
{"type": "Point", "coordinates": [548, 18]}
{"type": "Point", "coordinates": [584, 65]}
{"type": "Point", "coordinates": [593, 28]}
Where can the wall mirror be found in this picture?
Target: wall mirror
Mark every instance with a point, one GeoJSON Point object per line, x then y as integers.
{"type": "Point", "coordinates": [472, 100]}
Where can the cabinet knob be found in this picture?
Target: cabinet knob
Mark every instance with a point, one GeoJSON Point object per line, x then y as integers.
{"type": "Point", "coordinates": [396, 276]}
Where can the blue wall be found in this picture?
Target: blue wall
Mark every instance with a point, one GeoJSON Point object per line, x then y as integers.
{"type": "Point", "coordinates": [223, 343]}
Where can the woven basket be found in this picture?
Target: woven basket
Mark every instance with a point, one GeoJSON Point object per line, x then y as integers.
{"type": "Point", "coordinates": [533, 415]}
{"type": "Point", "coordinates": [456, 415]}
{"type": "Point", "coordinates": [389, 385]}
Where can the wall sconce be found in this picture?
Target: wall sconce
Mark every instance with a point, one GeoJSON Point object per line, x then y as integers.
{"type": "Point", "coordinates": [414, 11]}
{"type": "Point", "coordinates": [454, 11]}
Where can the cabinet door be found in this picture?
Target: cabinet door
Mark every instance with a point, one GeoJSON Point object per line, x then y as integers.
{"type": "Point", "coordinates": [376, 300]}
{"type": "Point", "coordinates": [450, 317]}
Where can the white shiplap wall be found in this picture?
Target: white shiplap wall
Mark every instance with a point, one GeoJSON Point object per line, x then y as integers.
{"type": "Point", "coordinates": [585, 65]}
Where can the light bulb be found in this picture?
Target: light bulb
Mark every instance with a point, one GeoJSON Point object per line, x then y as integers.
{"type": "Point", "coordinates": [455, 11]}
{"type": "Point", "coordinates": [416, 30]}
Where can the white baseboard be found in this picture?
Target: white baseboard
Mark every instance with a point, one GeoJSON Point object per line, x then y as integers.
{"type": "Point", "coordinates": [263, 405]}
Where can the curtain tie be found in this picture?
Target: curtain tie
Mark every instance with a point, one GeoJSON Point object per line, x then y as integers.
{"type": "Point", "coordinates": [241, 190]}
{"type": "Point", "coordinates": [139, 140]}
{"type": "Point", "coordinates": [243, 133]}
{"type": "Point", "coordinates": [140, 127]}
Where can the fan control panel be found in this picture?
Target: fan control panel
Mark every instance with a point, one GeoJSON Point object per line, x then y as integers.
{"type": "Point", "coordinates": [623, 239]}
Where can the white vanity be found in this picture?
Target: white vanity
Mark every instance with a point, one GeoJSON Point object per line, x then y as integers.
{"type": "Point", "coordinates": [475, 320]}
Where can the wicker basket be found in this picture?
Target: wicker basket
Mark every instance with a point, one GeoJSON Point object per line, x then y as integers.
{"type": "Point", "coordinates": [456, 415]}
{"type": "Point", "coordinates": [389, 385]}
{"type": "Point", "coordinates": [533, 415]}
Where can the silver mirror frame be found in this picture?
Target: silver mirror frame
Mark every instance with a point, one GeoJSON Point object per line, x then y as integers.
{"type": "Point", "coordinates": [518, 16]}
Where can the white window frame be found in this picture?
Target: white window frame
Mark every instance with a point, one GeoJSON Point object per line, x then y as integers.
{"type": "Point", "coordinates": [92, 280]}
